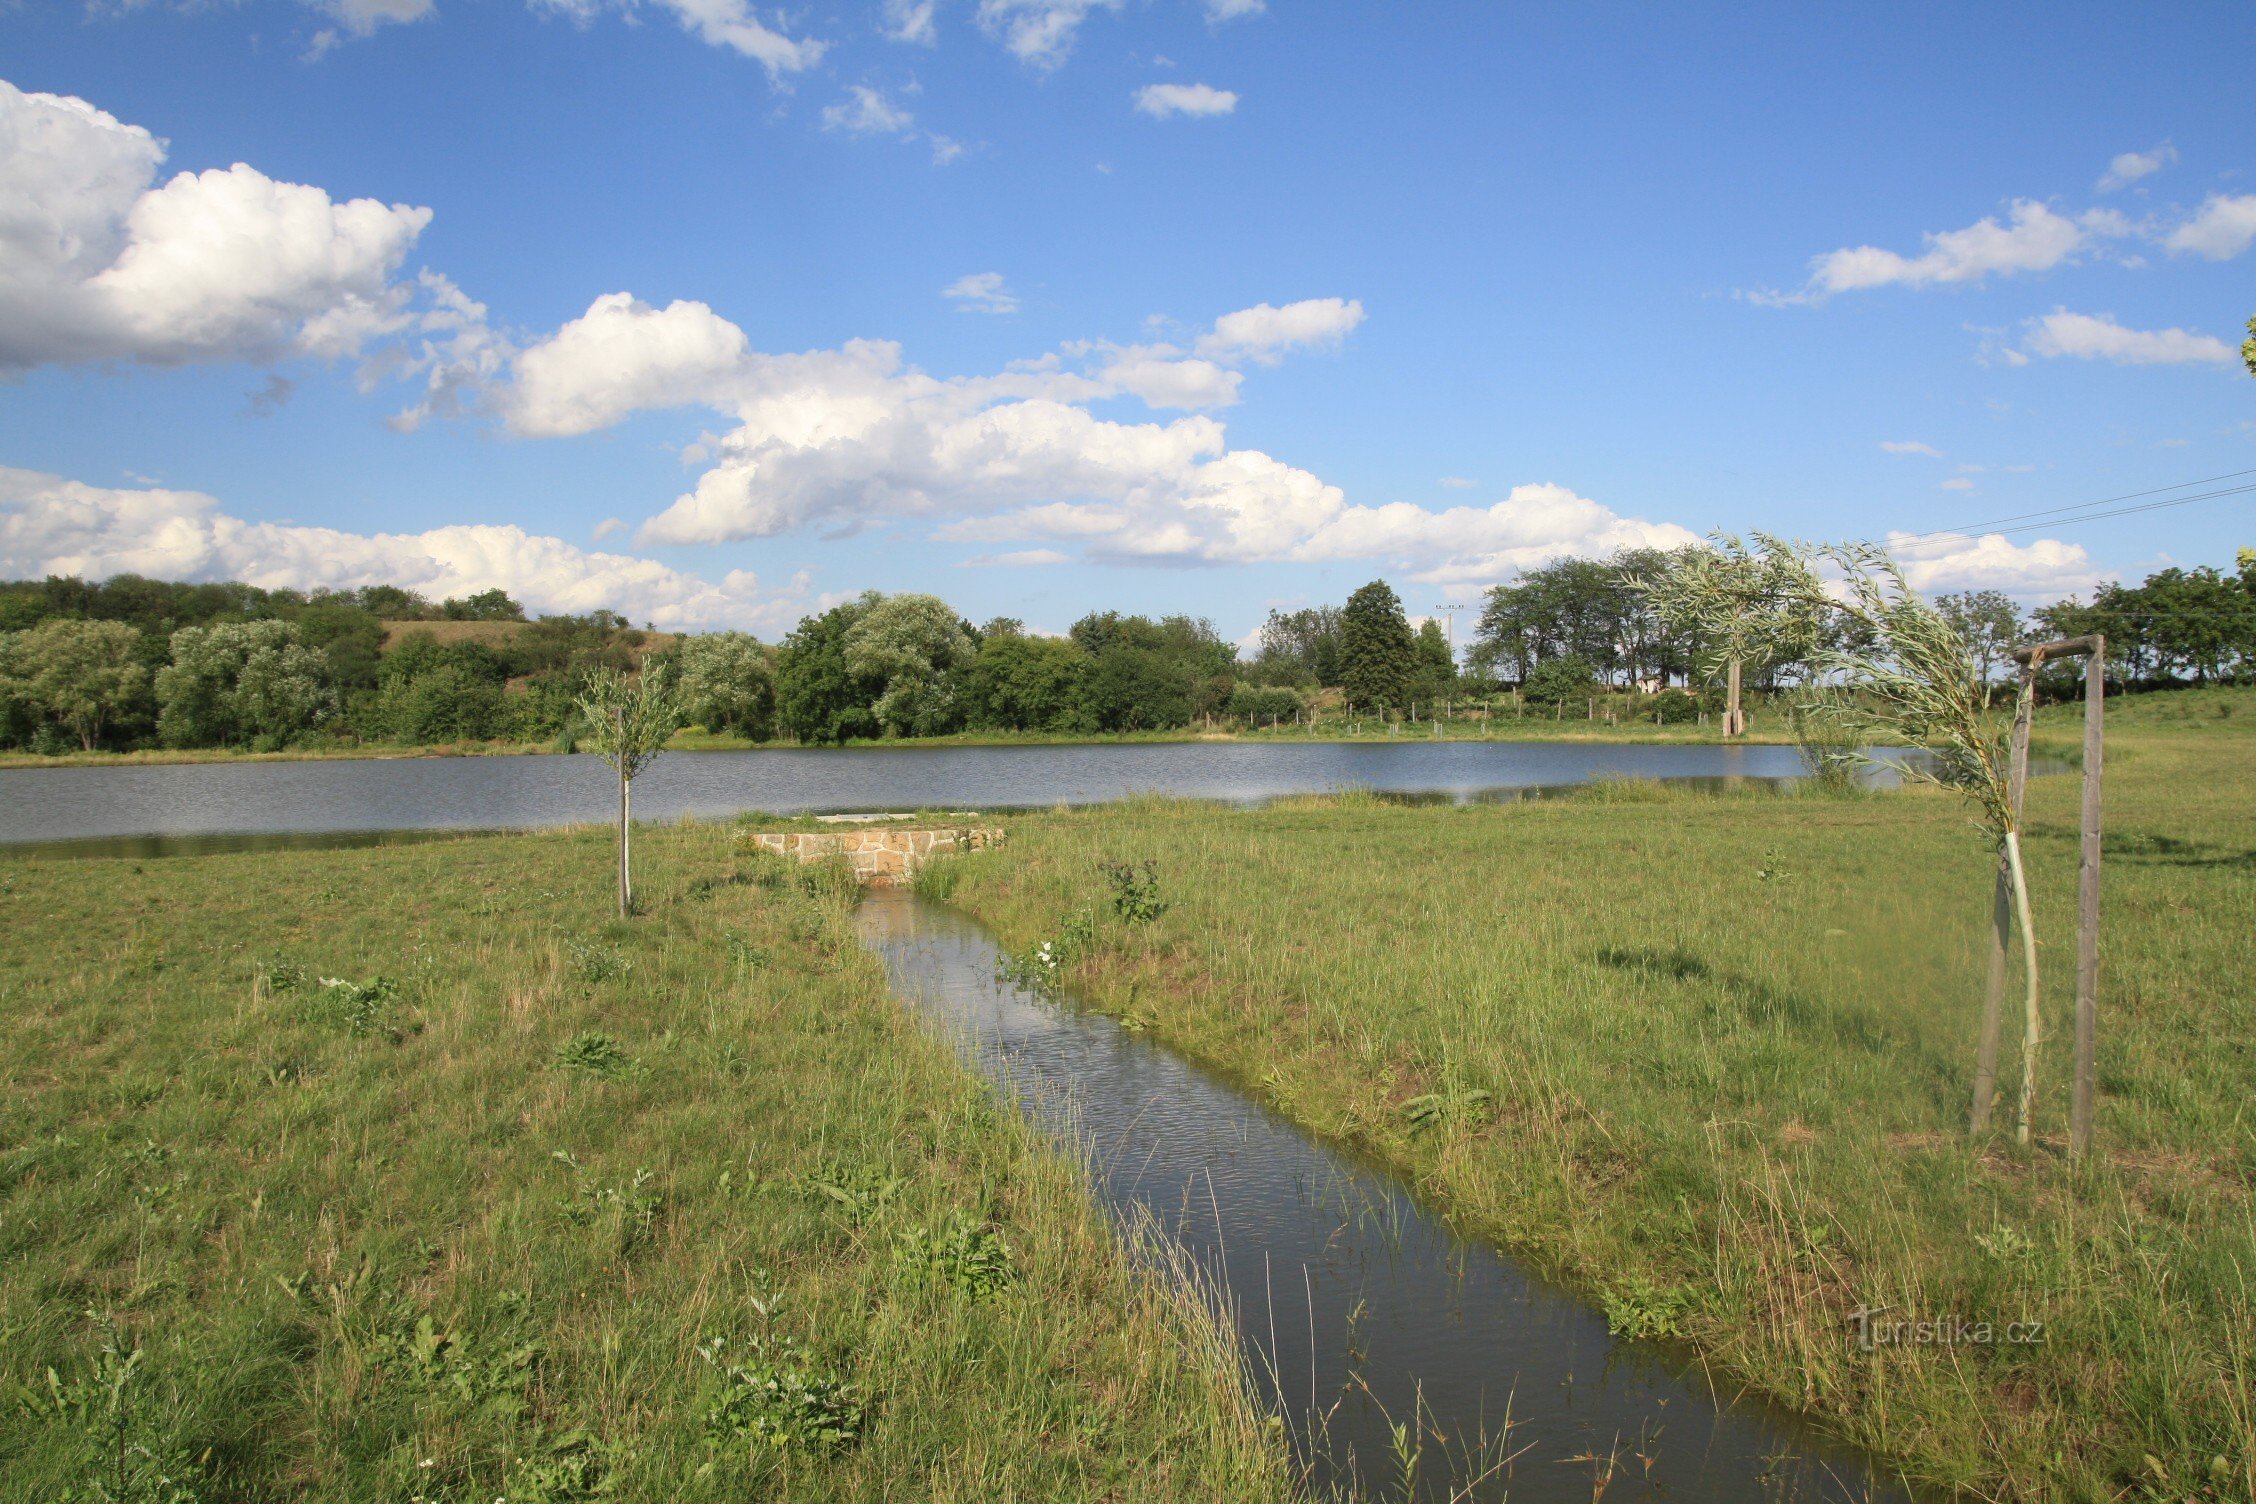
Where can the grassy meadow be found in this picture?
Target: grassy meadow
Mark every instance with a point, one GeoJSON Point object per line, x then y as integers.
{"type": "Point", "coordinates": [1708, 1059]}
{"type": "Point", "coordinates": [399, 1173]}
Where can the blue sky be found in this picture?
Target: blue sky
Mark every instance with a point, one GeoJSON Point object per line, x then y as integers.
{"type": "Point", "coordinates": [650, 304]}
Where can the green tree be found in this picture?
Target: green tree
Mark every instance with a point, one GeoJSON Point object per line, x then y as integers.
{"type": "Point", "coordinates": [1299, 647]}
{"type": "Point", "coordinates": [1378, 656]}
{"type": "Point", "coordinates": [909, 642]}
{"type": "Point", "coordinates": [241, 681]}
{"type": "Point", "coordinates": [80, 675]}
{"type": "Point", "coordinates": [1988, 623]}
{"type": "Point", "coordinates": [1022, 683]}
{"type": "Point", "coordinates": [1747, 605]}
{"type": "Point", "coordinates": [727, 684]}
{"type": "Point", "coordinates": [626, 723]}
{"type": "Point", "coordinates": [1569, 680]}
{"type": "Point", "coordinates": [1437, 666]}
{"type": "Point", "coordinates": [818, 698]}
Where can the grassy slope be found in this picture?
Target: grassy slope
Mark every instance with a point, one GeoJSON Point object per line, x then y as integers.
{"type": "Point", "coordinates": [357, 1269]}
{"type": "Point", "coordinates": [1729, 1043]}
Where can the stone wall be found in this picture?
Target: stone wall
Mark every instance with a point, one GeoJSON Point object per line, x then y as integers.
{"type": "Point", "coordinates": [879, 857]}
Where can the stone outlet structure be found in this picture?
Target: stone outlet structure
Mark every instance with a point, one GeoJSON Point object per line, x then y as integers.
{"type": "Point", "coordinates": [880, 858]}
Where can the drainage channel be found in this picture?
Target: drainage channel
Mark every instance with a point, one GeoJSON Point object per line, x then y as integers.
{"type": "Point", "coordinates": [1358, 1310]}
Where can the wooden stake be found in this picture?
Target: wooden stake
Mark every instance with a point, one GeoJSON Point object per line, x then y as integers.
{"type": "Point", "coordinates": [2084, 1102]}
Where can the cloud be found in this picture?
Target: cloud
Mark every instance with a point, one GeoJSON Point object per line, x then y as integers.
{"type": "Point", "coordinates": [867, 112]}
{"type": "Point", "coordinates": [1911, 446]}
{"type": "Point", "coordinates": [2045, 568]}
{"type": "Point", "coordinates": [1533, 525]}
{"type": "Point", "coordinates": [1955, 483]}
{"type": "Point", "coordinates": [1231, 10]}
{"type": "Point", "coordinates": [945, 149]}
{"type": "Point", "coordinates": [1024, 558]}
{"type": "Point", "coordinates": [911, 21]}
{"type": "Point", "coordinates": [2035, 239]}
{"type": "Point", "coordinates": [362, 17]}
{"type": "Point", "coordinates": [1156, 376]}
{"type": "Point", "coordinates": [619, 357]}
{"type": "Point", "coordinates": [981, 292]}
{"type": "Point", "coordinates": [853, 437]}
{"type": "Point", "coordinates": [2086, 337]}
{"type": "Point", "coordinates": [51, 525]}
{"type": "Point", "coordinates": [2130, 166]}
{"type": "Point", "coordinates": [1263, 333]}
{"type": "Point", "coordinates": [1162, 100]}
{"type": "Point", "coordinates": [731, 24]}
{"type": "Point", "coordinates": [2221, 229]}
{"type": "Point", "coordinates": [1039, 33]}
{"type": "Point", "coordinates": [98, 264]}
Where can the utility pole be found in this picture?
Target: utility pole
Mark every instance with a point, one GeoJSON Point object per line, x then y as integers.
{"type": "Point", "coordinates": [1449, 625]}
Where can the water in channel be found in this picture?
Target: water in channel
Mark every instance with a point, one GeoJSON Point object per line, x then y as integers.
{"type": "Point", "coordinates": [1357, 1309]}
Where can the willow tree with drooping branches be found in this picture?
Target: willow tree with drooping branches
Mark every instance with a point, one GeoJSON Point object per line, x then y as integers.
{"type": "Point", "coordinates": [626, 722]}
{"type": "Point", "coordinates": [1746, 605]}
{"type": "Point", "coordinates": [1900, 672]}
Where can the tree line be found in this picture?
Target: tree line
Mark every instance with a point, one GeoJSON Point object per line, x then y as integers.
{"type": "Point", "coordinates": [135, 663]}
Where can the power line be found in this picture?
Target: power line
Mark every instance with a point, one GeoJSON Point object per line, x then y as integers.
{"type": "Point", "coordinates": [1996, 524]}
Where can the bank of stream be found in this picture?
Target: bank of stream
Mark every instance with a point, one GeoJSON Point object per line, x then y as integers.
{"type": "Point", "coordinates": [1404, 1358]}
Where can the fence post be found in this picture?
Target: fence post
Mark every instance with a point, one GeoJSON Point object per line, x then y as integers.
{"type": "Point", "coordinates": [2083, 1104]}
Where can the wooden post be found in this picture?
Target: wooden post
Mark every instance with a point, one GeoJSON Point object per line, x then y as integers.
{"type": "Point", "coordinates": [2083, 1105]}
{"type": "Point", "coordinates": [2001, 926]}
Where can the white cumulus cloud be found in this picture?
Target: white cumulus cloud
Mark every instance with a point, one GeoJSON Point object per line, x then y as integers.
{"type": "Point", "coordinates": [52, 525]}
{"type": "Point", "coordinates": [1162, 100]}
{"type": "Point", "coordinates": [2045, 569]}
{"type": "Point", "coordinates": [1039, 32]}
{"type": "Point", "coordinates": [981, 292]}
{"type": "Point", "coordinates": [911, 21]}
{"type": "Point", "coordinates": [99, 262]}
{"type": "Point", "coordinates": [2034, 238]}
{"type": "Point", "coordinates": [867, 112]}
{"type": "Point", "coordinates": [1231, 10]}
{"type": "Point", "coordinates": [2088, 337]}
{"type": "Point", "coordinates": [1264, 333]}
{"type": "Point", "coordinates": [619, 357]}
{"type": "Point", "coordinates": [2128, 167]}
{"type": "Point", "coordinates": [2221, 229]}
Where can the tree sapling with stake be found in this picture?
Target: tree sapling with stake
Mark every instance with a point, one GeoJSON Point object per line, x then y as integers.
{"type": "Point", "coordinates": [628, 722]}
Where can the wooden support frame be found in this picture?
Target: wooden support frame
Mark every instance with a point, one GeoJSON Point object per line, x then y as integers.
{"type": "Point", "coordinates": [2084, 1093]}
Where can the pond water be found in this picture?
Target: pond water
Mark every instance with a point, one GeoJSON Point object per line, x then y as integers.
{"type": "Point", "coordinates": [1356, 1308]}
{"type": "Point", "coordinates": [143, 803]}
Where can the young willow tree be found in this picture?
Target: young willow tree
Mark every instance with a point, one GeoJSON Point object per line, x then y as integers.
{"type": "Point", "coordinates": [627, 723]}
{"type": "Point", "coordinates": [1747, 605]}
{"type": "Point", "coordinates": [1901, 671]}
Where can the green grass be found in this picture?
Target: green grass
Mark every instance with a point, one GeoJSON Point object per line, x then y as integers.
{"type": "Point", "coordinates": [399, 1173]}
{"type": "Point", "coordinates": [1708, 1059]}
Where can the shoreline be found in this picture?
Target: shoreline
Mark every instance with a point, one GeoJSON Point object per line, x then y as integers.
{"type": "Point", "coordinates": [1456, 731]}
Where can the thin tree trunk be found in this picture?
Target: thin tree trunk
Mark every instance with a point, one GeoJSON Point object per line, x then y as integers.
{"type": "Point", "coordinates": [2032, 1024]}
{"type": "Point", "coordinates": [2001, 921]}
{"type": "Point", "coordinates": [624, 899]}
{"type": "Point", "coordinates": [1734, 719]}
{"type": "Point", "coordinates": [2084, 1099]}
